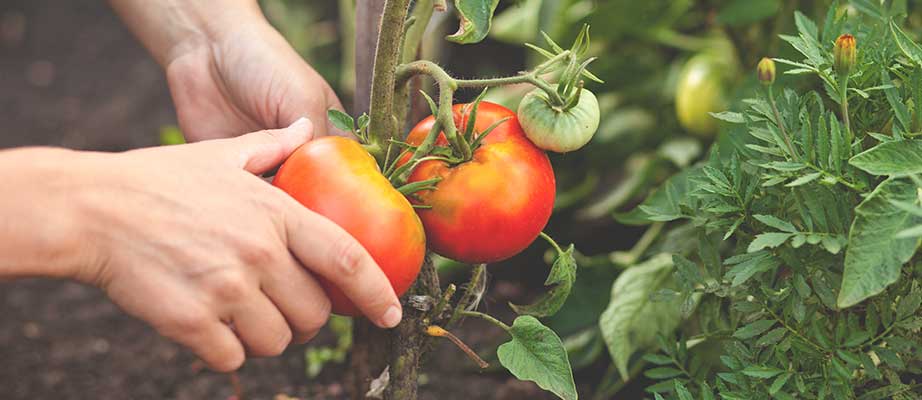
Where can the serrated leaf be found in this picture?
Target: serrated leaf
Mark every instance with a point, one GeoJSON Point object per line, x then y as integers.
{"type": "Point", "coordinates": [908, 46]}
{"type": "Point", "coordinates": [874, 256]}
{"type": "Point", "coordinates": [664, 204]}
{"type": "Point", "coordinates": [662, 373]}
{"type": "Point", "coordinates": [762, 372]}
{"type": "Point", "coordinates": [754, 329]}
{"type": "Point", "coordinates": [537, 354]}
{"type": "Point", "coordinates": [768, 240]}
{"type": "Point", "coordinates": [560, 279]}
{"type": "Point", "coordinates": [729, 116]}
{"type": "Point", "coordinates": [632, 319]}
{"type": "Point", "coordinates": [896, 158]}
{"type": "Point", "coordinates": [476, 17]}
{"type": "Point", "coordinates": [776, 223]}
{"type": "Point", "coordinates": [341, 120]}
{"type": "Point", "coordinates": [749, 264]}
{"type": "Point", "coordinates": [805, 179]}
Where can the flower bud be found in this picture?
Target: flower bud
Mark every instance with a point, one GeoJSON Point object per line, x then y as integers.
{"type": "Point", "coordinates": [766, 71]}
{"type": "Point", "coordinates": [844, 54]}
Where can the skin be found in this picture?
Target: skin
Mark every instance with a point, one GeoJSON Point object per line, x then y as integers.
{"type": "Point", "coordinates": [228, 70]}
{"type": "Point", "coordinates": [387, 227]}
{"type": "Point", "coordinates": [492, 207]}
{"type": "Point", "coordinates": [188, 238]}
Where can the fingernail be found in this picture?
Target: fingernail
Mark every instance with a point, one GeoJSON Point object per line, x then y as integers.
{"type": "Point", "coordinates": [391, 317]}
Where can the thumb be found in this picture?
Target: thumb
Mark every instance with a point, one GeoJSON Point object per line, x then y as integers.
{"type": "Point", "coordinates": [261, 151]}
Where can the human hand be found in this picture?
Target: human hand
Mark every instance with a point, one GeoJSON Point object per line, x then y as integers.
{"type": "Point", "coordinates": [246, 79]}
{"type": "Point", "coordinates": [228, 70]}
{"type": "Point", "coordinates": [188, 239]}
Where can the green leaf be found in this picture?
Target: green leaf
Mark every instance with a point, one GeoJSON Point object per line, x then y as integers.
{"type": "Point", "coordinates": [741, 12]}
{"type": "Point", "coordinates": [746, 265]}
{"type": "Point", "coordinates": [805, 179]}
{"type": "Point", "coordinates": [341, 120]}
{"type": "Point", "coordinates": [476, 17]}
{"type": "Point", "coordinates": [897, 158]}
{"type": "Point", "coordinates": [537, 354]}
{"type": "Point", "coordinates": [664, 204]}
{"type": "Point", "coordinates": [632, 319]}
{"type": "Point", "coordinates": [762, 372]}
{"type": "Point", "coordinates": [729, 116]}
{"type": "Point", "coordinates": [682, 392]}
{"type": "Point", "coordinates": [776, 223]}
{"type": "Point", "coordinates": [768, 240]}
{"type": "Point", "coordinates": [908, 46]}
{"type": "Point", "coordinates": [561, 278]}
{"type": "Point", "coordinates": [754, 329]}
{"type": "Point", "coordinates": [662, 373]}
{"type": "Point", "coordinates": [874, 256]}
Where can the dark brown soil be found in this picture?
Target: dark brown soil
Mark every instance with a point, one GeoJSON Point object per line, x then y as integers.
{"type": "Point", "coordinates": [71, 75]}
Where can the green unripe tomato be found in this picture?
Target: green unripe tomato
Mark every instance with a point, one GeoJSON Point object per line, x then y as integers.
{"type": "Point", "coordinates": [700, 91]}
{"type": "Point", "coordinates": [554, 129]}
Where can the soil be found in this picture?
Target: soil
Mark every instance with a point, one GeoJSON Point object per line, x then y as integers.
{"type": "Point", "coordinates": [71, 75]}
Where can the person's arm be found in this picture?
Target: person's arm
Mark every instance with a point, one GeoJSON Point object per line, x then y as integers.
{"type": "Point", "coordinates": [188, 239]}
{"type": "Point", "coordinates": [229, 71]}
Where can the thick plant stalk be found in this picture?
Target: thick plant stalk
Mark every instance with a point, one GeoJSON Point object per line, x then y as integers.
{"type": "Point", "coordinates": [402, 347]}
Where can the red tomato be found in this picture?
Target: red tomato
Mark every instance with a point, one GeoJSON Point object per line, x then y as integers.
{"type": "Point", "coordinates": [337, 178]}
{"type": "Point", "coordinates": [492, 207]}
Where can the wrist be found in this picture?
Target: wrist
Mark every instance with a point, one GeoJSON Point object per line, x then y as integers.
{"type": "Point", "coordinates": [43, 233]}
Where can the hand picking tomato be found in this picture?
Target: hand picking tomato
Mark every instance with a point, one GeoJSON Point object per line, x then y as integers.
{"type": "Point", "coordinates": [335, 177]}
{"type": "Point", "coordinates": [493, 206]}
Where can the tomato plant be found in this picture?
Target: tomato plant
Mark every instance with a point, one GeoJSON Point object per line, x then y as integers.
{"type": "Point", "coordinates": [491, 207]}
{"type": "Point", "coordinates": [335, 177]}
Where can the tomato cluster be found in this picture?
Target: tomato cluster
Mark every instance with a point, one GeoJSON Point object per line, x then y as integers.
{"type": "Point", "coordinates": [480, 210]}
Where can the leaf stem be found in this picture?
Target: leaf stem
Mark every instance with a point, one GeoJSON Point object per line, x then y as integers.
{"type": "Point", "coordinates": [437, 331]}
{"type": "Point", "coordinates": [843, 94]}
{"type": "Point", "coordinates": [794, 331]}
{"type": "Point", "coordinates": [471, 293]}
{"type": "Point", "coordinates": [488, 318]}
{"type": "Point", "coordinates": [550, 240]}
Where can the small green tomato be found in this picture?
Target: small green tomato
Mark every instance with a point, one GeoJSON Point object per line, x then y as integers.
{"type": "Point", "coordinates": [700, 91]}
{"type": "Point", "coordinates": [555, 129]}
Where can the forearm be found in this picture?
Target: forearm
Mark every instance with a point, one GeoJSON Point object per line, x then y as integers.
{"type": "Point", "coordinates": [166, 27]}
{"type": "Point", "coordinates": [40, 228]}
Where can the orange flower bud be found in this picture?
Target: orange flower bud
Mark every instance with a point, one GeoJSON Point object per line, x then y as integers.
{"type": "Point", "coordinates": [766, 71]}
{"type": "Point", "coordinates": [844, 54]}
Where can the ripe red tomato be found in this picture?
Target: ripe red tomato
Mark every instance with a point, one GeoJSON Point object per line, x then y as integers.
{"type": "Point", "coordinates": [337, 178]}
{"type": "Point", "coordinates": [493, 206]}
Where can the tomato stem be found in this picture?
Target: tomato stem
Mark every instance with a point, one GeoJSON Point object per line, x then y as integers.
{"type": "Point", "coordinates": [387, 56]}
{"type": "Point", "coordinates": [472, 293]}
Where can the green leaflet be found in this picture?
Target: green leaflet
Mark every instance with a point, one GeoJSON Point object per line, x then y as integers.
{"type": "Point", "coordinates": [476, 17]}
{"type": "Point", "coordinates": [632, 319]}
{"type": "Point", "coordinates": [874, 255]}
{"type": "Point", "coordinates": [896, 158]}
{"type": "Point", "coordinates": [560, 279]}
{"type": "Point", "coordinates": [537, 354]}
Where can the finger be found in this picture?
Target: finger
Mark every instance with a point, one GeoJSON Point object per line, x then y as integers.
{"type": "Point", "coordinates": [298, 296]}
{"type": "Point", "coordinates": [260, 326]}
{"type": "Point", "coordinates": [328, 250]}
{"type": "Point", "coordinates": [191, 324]}
{"type": "Point", "coordinates": [260, 151]}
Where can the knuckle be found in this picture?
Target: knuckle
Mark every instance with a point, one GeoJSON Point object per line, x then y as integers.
{"type": "Point", "coordinates": [186, 323]}
{"type": "Point", "coordinates": [348, 258]}
{"type": "Point", "coordinates": [259, 253]}
{"type": "Point", "coordinates": [229, 286]}
{"type": "Point", "coordinates": [314, 321]}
